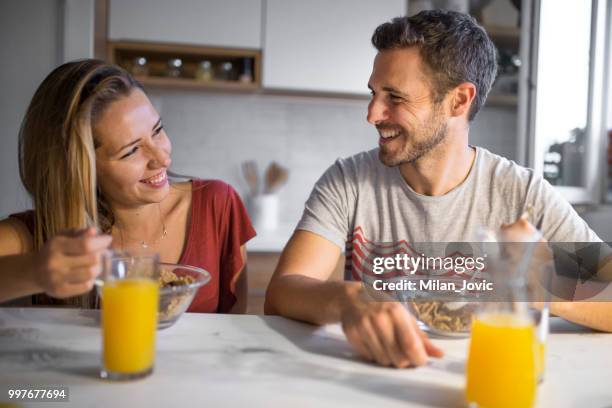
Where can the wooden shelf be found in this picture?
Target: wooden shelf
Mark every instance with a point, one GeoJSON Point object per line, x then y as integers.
{"type": "Point", "coordinates": [123, 53]}
{"type": "Point", "coordinates": [189, 83]}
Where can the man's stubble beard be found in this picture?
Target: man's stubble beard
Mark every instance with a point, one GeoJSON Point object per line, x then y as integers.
{"type": "Point", "coordinates": [437, 133]}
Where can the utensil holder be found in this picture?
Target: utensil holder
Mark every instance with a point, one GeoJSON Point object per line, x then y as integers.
{"type": "Point", "coordinates": [264, 213]}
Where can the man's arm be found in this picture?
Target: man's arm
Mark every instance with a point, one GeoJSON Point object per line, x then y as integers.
{"type": "Point", "coordinates": [300, 289]}
{"type": "Point", "coordinates": [379, 331]}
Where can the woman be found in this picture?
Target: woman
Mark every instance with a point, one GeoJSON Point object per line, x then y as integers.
{"type": "Point", "coordinates": [94, 156]}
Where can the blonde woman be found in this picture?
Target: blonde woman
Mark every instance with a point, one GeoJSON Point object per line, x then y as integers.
{"type": "Point", "coordinates": [94, 157]}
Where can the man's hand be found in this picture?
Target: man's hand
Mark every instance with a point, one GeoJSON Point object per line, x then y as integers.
{"type": "Point", "coordinates": [518, 237]}
{"type": "Point", "coordinates": [386, 333]}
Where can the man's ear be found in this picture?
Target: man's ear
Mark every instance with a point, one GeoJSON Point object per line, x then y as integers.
{"type": "Point", "coordinates": [462, 97]}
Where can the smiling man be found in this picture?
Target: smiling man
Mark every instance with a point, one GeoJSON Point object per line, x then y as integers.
{"type": "Point", "coordinates": [424, 183]}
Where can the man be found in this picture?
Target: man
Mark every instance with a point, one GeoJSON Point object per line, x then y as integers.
{"type": "Point", "coordinates": [424, 183]}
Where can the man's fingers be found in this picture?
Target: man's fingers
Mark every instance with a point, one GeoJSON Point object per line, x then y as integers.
{"type": "Point", "coordinates": [408, 338]}
{"type": "Point", "coordinates": [384, 328]}
{"type": "Point", "coordinates": [354, 339]}
{"type": "Point", "coordinates": [370, 339]}
{"type": "Point", "coordinates": [430, 348]}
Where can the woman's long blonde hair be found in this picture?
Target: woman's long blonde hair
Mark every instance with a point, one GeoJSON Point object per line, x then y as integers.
{"type": "Point", "coordinates": [57, 147]}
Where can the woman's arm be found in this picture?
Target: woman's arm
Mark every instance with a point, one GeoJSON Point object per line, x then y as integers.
{"type": "Point", "coordinates": [16, 269]}
{"type": "Point", "coordinates": [596, 315]}
{"type": "Point", "coordinates": [242, 286]}
{"type": "Point", "coordinates": [65, 266]}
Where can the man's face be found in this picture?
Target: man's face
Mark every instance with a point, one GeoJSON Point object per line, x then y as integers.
{"type": "Point", "coordinates": [409, 124]}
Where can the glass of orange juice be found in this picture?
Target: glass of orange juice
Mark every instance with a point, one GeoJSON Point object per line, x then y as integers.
{"type": "Point", "coordinates": [130, 297]}
{"type": "Point", "coordinates": [541, 333]}
{"type": "Point", "coordinates": [501, 367]}
{"type": "Point", "coordinates": [504, 357]}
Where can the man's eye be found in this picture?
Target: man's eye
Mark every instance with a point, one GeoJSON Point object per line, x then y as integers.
{"type": "Point", "coordinates": [131, 152]}
{"type": "Point", "coordinates": [396, 98]}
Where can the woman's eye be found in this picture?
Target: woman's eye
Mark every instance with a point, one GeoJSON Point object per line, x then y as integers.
{"type": "Point", "coordinates": [158, 130]}
{"type": "Point", "coordinates": [131, 152]}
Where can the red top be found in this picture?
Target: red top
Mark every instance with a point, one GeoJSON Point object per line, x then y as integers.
{"type": "Point", "coordinates": [219, 226]}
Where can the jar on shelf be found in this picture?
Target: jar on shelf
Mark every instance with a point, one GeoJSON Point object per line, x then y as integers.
{"type": "Point", "coordinates": [247, 70]}
{"type": "Point", "coordinates": [226, 71]}
{"type": "Point", "coordinates": [139, 67]}
{"type": "Point", "coordinates": [204, 71]}
{"type": "Point", "coordinates": [175, 67]}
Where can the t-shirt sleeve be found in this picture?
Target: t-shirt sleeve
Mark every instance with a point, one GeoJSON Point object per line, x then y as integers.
{"type": "Point", "coordinates": [555, 217]}
{"type": "Point", "coordinates": [326, 212]}
{"type": "Point", "coordinates": [237, 230]}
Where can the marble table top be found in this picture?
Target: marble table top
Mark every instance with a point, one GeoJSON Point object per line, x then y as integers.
{"type": "Point", "coordinates": [209, 360]}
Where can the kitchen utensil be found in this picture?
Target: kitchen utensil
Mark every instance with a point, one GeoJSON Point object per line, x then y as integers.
{"type": "Point", "coordinates": [275, 177]}
{"type": "Point", "coordinates": [250, 174]}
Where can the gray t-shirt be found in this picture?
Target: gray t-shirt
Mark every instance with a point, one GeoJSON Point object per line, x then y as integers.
{"type": "Point", "coordinates": [360, 200]}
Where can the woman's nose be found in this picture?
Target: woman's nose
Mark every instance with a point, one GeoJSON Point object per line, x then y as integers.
{"type": "Point", "coordinates": [159, 157]}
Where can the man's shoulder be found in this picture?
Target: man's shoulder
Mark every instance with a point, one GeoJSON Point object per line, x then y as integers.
{"type": "Point", "coordinates": [365, 159]}
{"type": "Point", "coordinates": [503, 170]}
{"type": "Point", "coordinates": [363, 165]}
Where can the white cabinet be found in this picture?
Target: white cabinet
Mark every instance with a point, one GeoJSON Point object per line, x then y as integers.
{"type": "Point", "coordinates": [322, 45]}
{"type": "Point", "coordinates": [220, 23]}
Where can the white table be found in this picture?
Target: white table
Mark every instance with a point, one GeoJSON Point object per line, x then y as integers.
{"type": "Point", "coordinates": [255, 361]}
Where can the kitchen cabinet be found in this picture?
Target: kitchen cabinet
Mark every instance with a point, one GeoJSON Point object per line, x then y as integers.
{"type": "Point", "coordinates": [218, 23]}
{"type": "Point", "coordinates": [321, 45]}
{"type": "Point", "coordinates": [260, 267]}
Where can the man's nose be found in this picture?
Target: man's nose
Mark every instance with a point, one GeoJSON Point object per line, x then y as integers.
{"type": "Point", "coordinates": [377, 112]}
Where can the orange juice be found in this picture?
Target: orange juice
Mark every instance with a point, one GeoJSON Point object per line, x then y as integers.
{"type": "Point", "coordinates": [501, 367]}
{"type": "Point", "coordinates": [129, 321]}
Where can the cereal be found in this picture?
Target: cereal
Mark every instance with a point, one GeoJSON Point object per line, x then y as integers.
{"type": "Point", "coordinates": [442, 318]}
{"type": "Point", "coordinates": [172, 305]}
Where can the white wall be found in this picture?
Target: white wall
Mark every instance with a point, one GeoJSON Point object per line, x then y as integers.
{"type": "Point", "coordinates": [30, 32]}
{"type": "Point", "coordinates": [37, 35]}
{"type": "Point", "coordinates": [212, 134]}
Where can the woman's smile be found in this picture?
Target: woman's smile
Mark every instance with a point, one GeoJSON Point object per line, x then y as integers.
{"type": "Point", "coordinates": [158, 180]}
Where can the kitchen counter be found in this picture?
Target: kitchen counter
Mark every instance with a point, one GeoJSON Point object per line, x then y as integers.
{"type": "Point", "coordinates": [271, 240]}
{"type": "Point", "coordinates": [257, 361]}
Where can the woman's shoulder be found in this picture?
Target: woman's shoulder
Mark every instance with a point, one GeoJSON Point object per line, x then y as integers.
{"type": "Point", "coordinates": [16, 233]}
{"type": "Point", "coordinates": [212, 190]}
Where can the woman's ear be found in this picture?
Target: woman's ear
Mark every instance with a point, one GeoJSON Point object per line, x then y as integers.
{"type": "Point", "coordinates": [462, 98]}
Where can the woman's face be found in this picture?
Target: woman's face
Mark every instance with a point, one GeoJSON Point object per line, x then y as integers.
{"type": "Point", "coordinates": [133, 152]}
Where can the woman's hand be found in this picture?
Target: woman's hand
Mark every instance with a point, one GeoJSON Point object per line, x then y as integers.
{"type": "Point", "coordinates": [68, 264]}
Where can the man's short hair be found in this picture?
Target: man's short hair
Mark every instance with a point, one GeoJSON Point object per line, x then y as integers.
{"type": "Point", "coordinates": [453, 46]}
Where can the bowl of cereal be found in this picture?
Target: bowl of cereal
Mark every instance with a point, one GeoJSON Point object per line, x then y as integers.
{"type": "Point", "coordinates": [178, 286]}
{"type": "Point", "coordinates": [441, 309]}
{"type": "Point", "coordinates": [449, 319]}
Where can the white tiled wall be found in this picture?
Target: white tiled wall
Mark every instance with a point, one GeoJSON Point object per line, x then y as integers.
{"type": "Point", "coordinates": [213, 133]}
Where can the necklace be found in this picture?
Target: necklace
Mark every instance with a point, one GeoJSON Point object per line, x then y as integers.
{"type": "Point", "coordinates": [144, 244]}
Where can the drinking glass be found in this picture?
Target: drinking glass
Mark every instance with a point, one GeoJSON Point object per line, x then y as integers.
{"type": "Point", "coordinates": [502, 366]}
{"type": "Point", "coordinates": [130, 297]}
